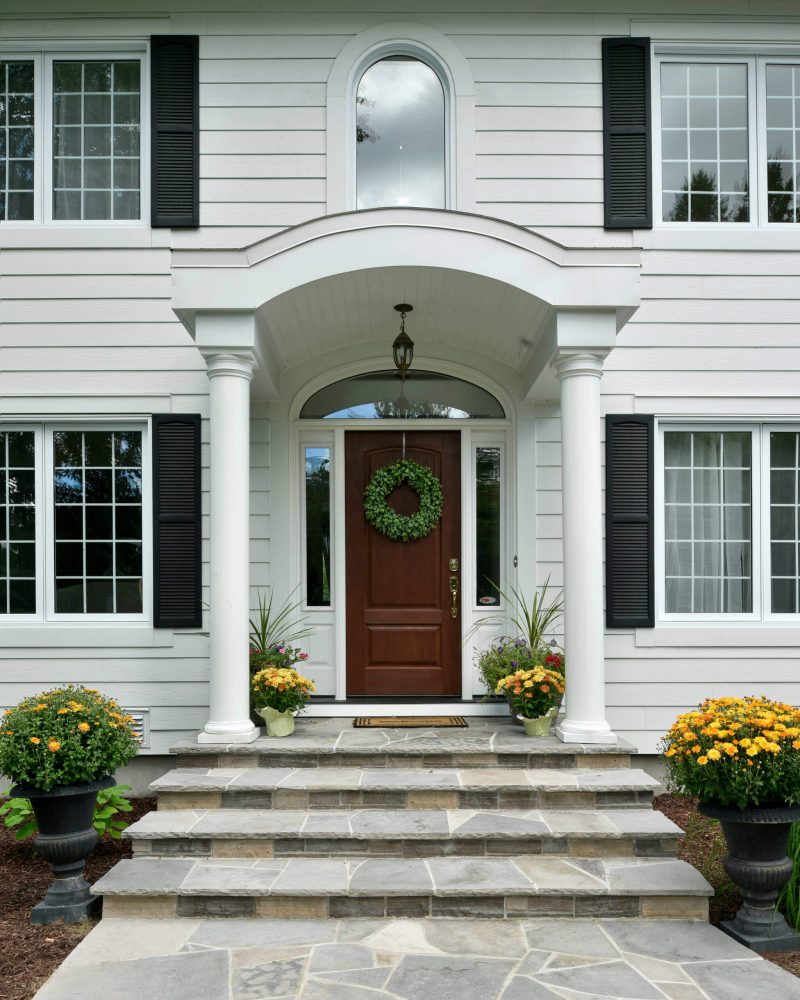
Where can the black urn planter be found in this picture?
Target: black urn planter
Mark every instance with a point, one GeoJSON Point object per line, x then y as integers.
{"type": "Point", "coordinates": [65, 840]}
{"type": "Point", "coordinates": [757, 862]}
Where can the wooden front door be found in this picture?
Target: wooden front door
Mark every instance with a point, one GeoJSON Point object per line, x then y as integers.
{"type": "Point", "coordinates": [402, 638]}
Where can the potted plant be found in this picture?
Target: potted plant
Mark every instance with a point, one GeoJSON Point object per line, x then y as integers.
{"type": "Point", "coordinates": [532, 695]}
{"type": "Point", "coordinates": [280, 693]}
{"type": "Point", "coordinates": [741, 758]}
{"type": "Point", "coordinates": [274, 627]}
{"type": "Point", "coordinates": [60, 749]}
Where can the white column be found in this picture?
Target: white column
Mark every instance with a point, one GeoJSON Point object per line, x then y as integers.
{"type": "Point", "coordinates": [585, 721]}
{"type": "Point", "coordinates": [229, 376]}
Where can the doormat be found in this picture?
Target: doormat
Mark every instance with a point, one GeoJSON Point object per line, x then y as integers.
{"type": "Point", "coordinates": [410, 722]}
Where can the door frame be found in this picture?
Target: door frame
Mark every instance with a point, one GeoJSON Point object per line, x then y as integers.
{"type": "Point", "coordinates": [330, 433]}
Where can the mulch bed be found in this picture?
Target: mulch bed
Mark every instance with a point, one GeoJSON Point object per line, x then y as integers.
{"type": "Point", "coordinates": [29, 955]}
{"type": "Point", "coordinates": [704, 847]}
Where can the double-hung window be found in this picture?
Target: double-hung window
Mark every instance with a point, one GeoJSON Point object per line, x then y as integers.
{"type": "Point", "coordinates": [727, 138]}
{"type": "Point", "coordinates": [729, 518]}
{"type": "Point", "coordinates": [72, 137]}
{"type": "Point", "coordinates": [74, 516]}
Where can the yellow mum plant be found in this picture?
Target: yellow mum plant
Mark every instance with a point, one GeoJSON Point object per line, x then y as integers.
{"type": "Point", "coordinates": [66, 736]}
{"type": "Point", "coordinates": [736, 752]}
{"type": "Point", "coordinates": [532, 693]}
{"type": "Point", "coordinates": [281, 688]}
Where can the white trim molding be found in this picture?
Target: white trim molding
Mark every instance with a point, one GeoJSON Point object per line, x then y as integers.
{"type": "Point", "coordinates": [449, 64]}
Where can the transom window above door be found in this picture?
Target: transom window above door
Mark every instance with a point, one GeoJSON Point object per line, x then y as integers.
{"type": "Point", "coordinates": [400, 135]}
{"type": "Point", "coordinates": [384, 396]}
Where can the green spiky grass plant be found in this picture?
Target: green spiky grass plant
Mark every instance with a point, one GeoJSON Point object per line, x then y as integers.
{"type": "Point", "coordinates": [278, 626]}
{"type": "Point", "coordinates": [531, 619]}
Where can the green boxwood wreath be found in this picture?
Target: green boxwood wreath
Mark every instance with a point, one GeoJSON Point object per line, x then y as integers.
{"type": "Point", "coordinates": [388, 522]}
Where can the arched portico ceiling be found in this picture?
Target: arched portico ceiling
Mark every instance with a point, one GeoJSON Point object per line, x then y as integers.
{"type": "Point", "coordinates": [477, 284]}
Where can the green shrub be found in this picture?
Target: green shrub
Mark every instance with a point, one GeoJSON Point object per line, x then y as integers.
{"type": "Point", "coordinates": [504, 657]}
{"type": "Point", "coordinates": [19, 817]}
{"type": "Point", "coordinates": [65, 736]}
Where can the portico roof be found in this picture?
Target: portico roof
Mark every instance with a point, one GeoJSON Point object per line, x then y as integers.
{"type": "Point", "coordinates": [479, 285]}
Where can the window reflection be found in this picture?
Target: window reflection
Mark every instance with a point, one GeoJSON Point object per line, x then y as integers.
{"type": "Point", "coordinates": [400, 135]}
{"type": "Point", "coordinates": [318, 527]}
{"type": "Point", "coordinates": [382, 396]}
{"type": "Point", "coordinates": [487, 524]}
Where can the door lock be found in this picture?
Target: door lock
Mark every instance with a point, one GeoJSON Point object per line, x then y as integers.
{"type": "Point", "coordinates": [453, 565]}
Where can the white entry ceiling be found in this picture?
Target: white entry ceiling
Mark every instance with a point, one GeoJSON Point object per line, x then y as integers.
{"type": "Point", "coordinates": [453, 311]}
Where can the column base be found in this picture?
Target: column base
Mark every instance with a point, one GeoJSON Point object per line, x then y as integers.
{"type": "Point", "coordinates": [586, 732]}
{"type": "Point", "coordinates": [231, 732]}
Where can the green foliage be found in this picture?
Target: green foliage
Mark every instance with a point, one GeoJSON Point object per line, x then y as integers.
{"type": "Point", "coordinates": [387, 521]}
{"type": "Point", "coordinates": [65, 736]}
{"type": "Point", "coordinates": [19, 816]}
{"type": "Point", "coordinates": [536, 619]}
{"type": "Point", "coordinates": [736, 752]}
{"type": "Point", "coordinates": [789, 899]}
{"type": "Point", "coordinates": [505, 656]}
{"type": "Point", "coordinates": [276, 627]}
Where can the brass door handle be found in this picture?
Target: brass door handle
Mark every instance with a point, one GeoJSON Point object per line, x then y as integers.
{"type": "Point", "coordinates": [454, 593]}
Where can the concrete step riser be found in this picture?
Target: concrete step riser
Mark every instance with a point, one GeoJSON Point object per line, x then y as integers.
{"type": "Point", "coordinates": [370, 758]}
{"type": "Point", "coordinates": [358, 848]}
{"type": "Point", "coordinates": [512, 798]}
{"type": "Point", "coordinates": [501, 906]}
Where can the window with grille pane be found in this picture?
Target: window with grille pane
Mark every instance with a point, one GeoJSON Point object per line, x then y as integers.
{"type": "Point", "coordinates": [96, 139]}
{"type": "Point", "coordinates": [16, 141]}
{"type": "Point", "coordinates": [704, 142]}
{"type": "Point", "coordinates": [97, 493]}
{"type": "Point", "coordinates": [784, 510]}
{"type": "Point", "coordinates": [708, 522]}
{"type": "Point", "coordinates": [783, 142]}
{"type": "Point", "coordinates": [17, 523]}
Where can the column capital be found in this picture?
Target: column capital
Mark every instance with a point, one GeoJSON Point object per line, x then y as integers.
{"type": "Point", "coordinates": [240, 365]}
{"type": "Point", "coordinates": [569, 364]}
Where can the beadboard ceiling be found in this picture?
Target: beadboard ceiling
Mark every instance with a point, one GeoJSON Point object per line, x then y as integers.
{"type": "Point", "coordinates": [451, 309]}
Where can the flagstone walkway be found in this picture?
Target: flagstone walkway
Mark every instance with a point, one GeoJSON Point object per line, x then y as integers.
{"type": "Point", "coordinates": [209, 959]}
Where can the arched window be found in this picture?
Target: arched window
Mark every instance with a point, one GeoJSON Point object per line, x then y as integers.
{"type": "Point", "coordinates": [400, 135]}
{"type": "Point", "coordinates": [382, 396]}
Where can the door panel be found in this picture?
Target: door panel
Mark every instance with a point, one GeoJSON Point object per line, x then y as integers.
{"type": "Point", "coordinates": [401, 637]}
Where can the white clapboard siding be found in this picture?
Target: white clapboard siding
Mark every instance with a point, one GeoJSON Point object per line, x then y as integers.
{"type": "Point", "coordinates": [86, 323]}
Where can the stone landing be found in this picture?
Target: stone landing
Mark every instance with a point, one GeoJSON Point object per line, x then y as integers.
{"type": "Point", "coordinates": [414, 960]}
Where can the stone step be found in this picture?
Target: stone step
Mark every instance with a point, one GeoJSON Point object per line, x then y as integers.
{"type": "Point", "coordinates": [412, 788]}
{"type": "Point", "coordinates": [403, 887]}
{"type": "Point", "coordinates": [494, 742]}
{"type": "Point", "coordinates": [254, 833]}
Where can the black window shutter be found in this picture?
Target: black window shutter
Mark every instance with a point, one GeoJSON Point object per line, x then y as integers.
{"type": "Point", "coordinates": [630, 578]}
{"type": "Point", "coordinates": [175, 131]}
{"type": "Point", "coordinates": [627, 158]}
{"type": "Point", "coordinates": [177, 572]}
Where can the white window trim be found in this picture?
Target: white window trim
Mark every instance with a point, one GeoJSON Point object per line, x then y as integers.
{"type": "Point", "coordinates": [45, 533]}
{"type": "Point", "coordinates": [316, 440]}
{"type": "Point", "coordinates": [43, 58]}
{"type": "Point", "coordinates": [757, 59]}
{"type": "Point", "coordinates": [658, 58]}
{"type": "Point", "coordinates": [761, 554]}
{"type": "Point", "coordinates": [483, 440]}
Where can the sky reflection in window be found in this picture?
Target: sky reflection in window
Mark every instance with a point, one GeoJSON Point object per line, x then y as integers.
{"type": "Point", "coordinates": [400, 136]}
